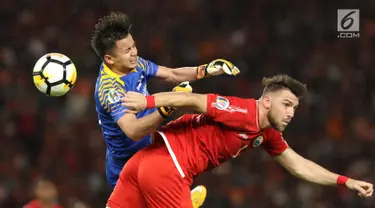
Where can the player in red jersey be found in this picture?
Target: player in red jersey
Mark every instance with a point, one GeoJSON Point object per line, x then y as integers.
{"type": "Point", "coordinates": [160, 175]}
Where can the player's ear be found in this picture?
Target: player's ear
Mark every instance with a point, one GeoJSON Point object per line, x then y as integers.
{"type": "Point", "coordinates": [108, 59]}
{"type": "Point", "coordinates": [267, 101]}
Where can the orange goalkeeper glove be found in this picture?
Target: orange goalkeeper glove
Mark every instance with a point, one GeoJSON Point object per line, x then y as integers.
{"type": "Point", "coordinates": [217, 67]}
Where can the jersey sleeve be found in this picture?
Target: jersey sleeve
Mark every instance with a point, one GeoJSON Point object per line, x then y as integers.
{"type": "Point", "coordinates": [230, 111]}
{"type": "Point", "coordinates": [149, 67]}
{"type": "Point", "coordinates": [110, 100]}
{"type": "Point", "coordinates": [275, 143]}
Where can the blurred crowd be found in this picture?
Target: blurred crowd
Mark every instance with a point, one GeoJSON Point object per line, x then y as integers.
{"type": "Point", "coordinates": [60, 138]}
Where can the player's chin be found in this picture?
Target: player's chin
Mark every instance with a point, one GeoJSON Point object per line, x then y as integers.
{"type": "Point", "coordinates": [281, 128]}
{"type": "Point", "coordinates": [132, 65]}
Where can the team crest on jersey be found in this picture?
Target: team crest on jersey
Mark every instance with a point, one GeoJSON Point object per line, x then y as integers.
{"type": "Point", "coordinates": [113, 96]}
{"type": "Point", "coordinates": [222, 103]}
{"type": "Point", "coordinates": [258, 141]}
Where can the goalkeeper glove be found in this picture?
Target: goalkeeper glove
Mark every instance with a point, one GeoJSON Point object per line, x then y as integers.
{"type": "Point", "coordinates": [217, 67]}
{"type": "Point", "coordinates": [182, 87]}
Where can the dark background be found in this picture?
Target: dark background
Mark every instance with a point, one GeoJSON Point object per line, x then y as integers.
{"type": "Point", "coordinates": [60, 137]}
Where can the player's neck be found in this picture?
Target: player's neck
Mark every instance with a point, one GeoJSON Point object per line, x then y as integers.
{"type": "Point", "coordinates": [121, 71]}
{"type": "Point", "coordinates": [262, 113]}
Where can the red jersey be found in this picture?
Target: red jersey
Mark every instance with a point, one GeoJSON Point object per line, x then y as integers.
{"type": "Point", "coordinates": [36, 204]}
{"type": "Point", "coordinates": [199, 142]}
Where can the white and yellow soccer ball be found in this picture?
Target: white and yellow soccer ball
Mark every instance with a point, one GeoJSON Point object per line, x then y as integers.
{"type": "Point", "coordinates": [54, 74]}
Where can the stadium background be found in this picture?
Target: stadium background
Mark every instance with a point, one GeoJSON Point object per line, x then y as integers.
{"type": "Point", "coordinates": [60, 137]}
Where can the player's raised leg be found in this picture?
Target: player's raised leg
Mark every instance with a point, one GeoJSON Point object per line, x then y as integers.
{"type": "Point", "coordinates": [160, 182]}
{"type": "Point", "coordinates": [127, 192]}
{"type": "Point", "coordinates": [198, 195]}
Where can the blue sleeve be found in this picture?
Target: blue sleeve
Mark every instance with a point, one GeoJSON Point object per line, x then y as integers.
{"type": "Point", "coordinates": [112, 102]}
{"type": "Point", "coordinates": [149, 67]}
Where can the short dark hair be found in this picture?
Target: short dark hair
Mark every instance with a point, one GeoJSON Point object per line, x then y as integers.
{"type": "Point", "coordinates": [108, 30]}
{"type": "Point", "coordinates": [282, 81]}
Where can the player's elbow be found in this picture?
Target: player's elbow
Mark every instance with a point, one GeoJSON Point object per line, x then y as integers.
{"type": "Point", "coordinates": [173, 76]}
{"type": "Point", "coordinates": [133, 135]}
{"type": "Point", "coordinates": [128, 125]}
{"type": "Point", "coordinates": [169, 75]}
{"type": "Point", "coordinates": [132, 132]}
{"type": "Point", "coordinates": [301, 171]}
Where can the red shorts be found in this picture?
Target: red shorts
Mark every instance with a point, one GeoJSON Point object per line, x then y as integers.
{"type": "Point", "coordinates": [150, 179]}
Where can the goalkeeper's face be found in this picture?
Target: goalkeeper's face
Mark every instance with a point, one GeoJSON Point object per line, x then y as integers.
{"type": "Point", "coordinates": [125, 53]}
{"type": "Point", "coordinates": [282, 109]}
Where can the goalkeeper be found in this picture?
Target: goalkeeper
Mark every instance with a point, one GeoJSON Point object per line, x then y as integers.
{"type": "Point", "coordinates": [123, 70]}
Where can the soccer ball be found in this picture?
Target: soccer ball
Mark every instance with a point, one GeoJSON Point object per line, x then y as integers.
{"type": "Point", "coordinates": [54, 74]}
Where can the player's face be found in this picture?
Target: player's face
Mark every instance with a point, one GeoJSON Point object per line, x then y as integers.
{"type": "Point", "coordinates": [282, 109]}
{"type": "Point", "coordinates": [125, 53]}
{"type": "Point", "coordinates": [46, 190]}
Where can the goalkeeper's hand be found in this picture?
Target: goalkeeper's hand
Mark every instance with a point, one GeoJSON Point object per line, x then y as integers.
{"type": "Point", "coordinates": [217, 67]}
{"type": "Point", "coordinates": [182, 87]}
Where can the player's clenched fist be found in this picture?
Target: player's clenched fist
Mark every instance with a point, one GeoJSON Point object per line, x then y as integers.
{"type": "Point", "coordinates": [364, 189]}
{"type": "Point", "coordinates": [134, 101]}
{"type": "Point", "coordinates": [217, 67]}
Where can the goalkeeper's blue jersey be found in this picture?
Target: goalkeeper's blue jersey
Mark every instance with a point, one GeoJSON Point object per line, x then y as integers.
{"type": "Point", "coordinates": [109, 89]}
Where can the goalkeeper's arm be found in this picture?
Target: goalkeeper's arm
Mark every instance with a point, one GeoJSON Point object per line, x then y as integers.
{"type": "Point", "coordinates": [214, 68]}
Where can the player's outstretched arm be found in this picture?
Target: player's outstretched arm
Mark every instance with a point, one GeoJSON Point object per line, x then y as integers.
{"type": "Point", "coordinates": [214, 68]}
{"type": "Point", "coordinates": [136, 128]}
{"type": "Point", "coordinates": [177, 75]}
{"type": "Point", "coordinates": [312, 172]}
{"type": "Point", "coordinates": [137, 102]}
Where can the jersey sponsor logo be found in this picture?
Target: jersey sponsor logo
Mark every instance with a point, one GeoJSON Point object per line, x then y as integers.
{"type": "Point", "coordinates": [222, 103]}
{"type": "Point", "coordinates": [140, 82]}
{"type": "Point", "coordinates": [258, 141]}
{"type": "Point", "coordinates": [243, 136]}
{"type": "Point", "coordinates": [233, 109]}
{"type": "Point", "coordinates": [113, 96]}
